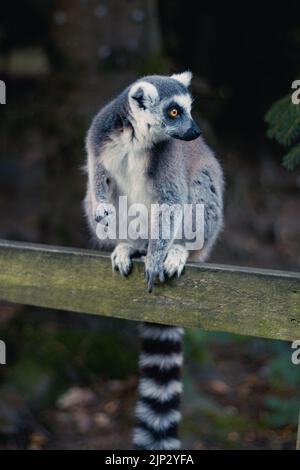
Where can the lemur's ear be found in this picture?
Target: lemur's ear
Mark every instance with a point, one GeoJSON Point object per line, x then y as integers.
{"type": "Point", "coordinates": [139, 97]}
{"type": "Point", "coordinates": [143, 94]}
{"type": "Point", "coordinates": [185, 77]}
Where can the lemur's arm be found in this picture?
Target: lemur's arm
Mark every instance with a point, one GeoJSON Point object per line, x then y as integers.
{"type": "Point", "coordinates": [99, 178]}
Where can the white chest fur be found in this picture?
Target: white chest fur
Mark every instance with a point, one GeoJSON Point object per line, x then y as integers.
{"type": "Point", "coordinates": [127, 163]}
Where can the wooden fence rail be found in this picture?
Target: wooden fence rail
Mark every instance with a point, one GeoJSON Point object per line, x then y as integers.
{"type": "Point", "coordinates": [246, 301]}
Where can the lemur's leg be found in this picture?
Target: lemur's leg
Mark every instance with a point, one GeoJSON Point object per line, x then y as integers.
{"type": "Point", "coordinates": [171, 186]}
{"type": "Point", "coordinates": [207, 189]}
{"type": "Point", "coordinates": [158, 258]}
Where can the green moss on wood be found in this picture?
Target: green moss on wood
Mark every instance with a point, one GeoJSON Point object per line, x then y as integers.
{"type": "Point", "coordinates": [216, 298]}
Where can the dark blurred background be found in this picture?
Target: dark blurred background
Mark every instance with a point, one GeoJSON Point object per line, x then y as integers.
{"type": "Point", "coordinates": [70, 379]}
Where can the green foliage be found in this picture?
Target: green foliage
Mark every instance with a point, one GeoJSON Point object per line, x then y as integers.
{"type": "Point", "coordinates": [292, 158]}
{"type": "Point", "coordinates": [283, 411]}
{"type": "Point", "coordinates": [281, 373]}
{"type": "Point", "coordinates": [50, 357]}
{"type": "Point", "coordinates": [284, 379]}
{"type": "Point", "coordinates": [283, 119]}
{"type": "Point", "coordinates": [33, 381]}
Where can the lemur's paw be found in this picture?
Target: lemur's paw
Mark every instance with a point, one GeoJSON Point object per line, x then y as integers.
{"type": "Point", "coordinates": [120, 259]}
{"type": "Point", "coordinates": [104, 214]}
{"type": "Point", "coordinates": [154, 268]}
{"type": "Point", "coordinates": [175, 260]}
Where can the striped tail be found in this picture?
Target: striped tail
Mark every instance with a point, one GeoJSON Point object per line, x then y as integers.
{"type": "Point", "coordinates": [160, 387]}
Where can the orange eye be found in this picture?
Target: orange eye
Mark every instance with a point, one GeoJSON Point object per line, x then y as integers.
{"type": "Point", "coordinates": [173, 113]}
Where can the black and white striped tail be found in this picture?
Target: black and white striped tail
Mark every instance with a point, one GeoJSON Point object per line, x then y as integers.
{"type": "Point", "coordinates": [160, 387]}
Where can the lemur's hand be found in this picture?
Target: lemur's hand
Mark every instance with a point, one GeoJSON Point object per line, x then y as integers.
{"type": "Point", "coordinates": [104, 213]}
{"type": "Point", "coordinates": [175, 261]}
{"type": "Point", "coordinates": [121, 258]}
{"type": "Point", "coordinates": [154, 267]}
{"type": "Point", "coordinates": [164, 268]}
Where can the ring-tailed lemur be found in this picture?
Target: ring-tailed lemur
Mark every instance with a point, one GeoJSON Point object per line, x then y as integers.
{"type": "Point", "coordinates": [145, 145]}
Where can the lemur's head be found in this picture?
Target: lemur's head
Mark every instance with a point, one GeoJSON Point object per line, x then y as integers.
{"type": "Point", "coordinates": [160, 108]}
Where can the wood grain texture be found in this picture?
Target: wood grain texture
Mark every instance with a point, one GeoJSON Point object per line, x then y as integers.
{"type": "Point", "coordinates": [246, 301]}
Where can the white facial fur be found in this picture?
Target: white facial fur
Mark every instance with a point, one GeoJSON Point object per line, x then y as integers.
{"type": "Point", "coordinates": [142, 118]}
{"type": "Point", "coordinates": [185, 101]}
{"type": "Point", "coordinates": [150, 93]}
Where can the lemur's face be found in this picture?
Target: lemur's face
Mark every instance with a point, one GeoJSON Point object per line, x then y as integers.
{"type": "Point", "coordinates": [161, 108]}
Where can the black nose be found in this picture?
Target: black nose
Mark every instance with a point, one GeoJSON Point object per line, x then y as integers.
{"type": "Point", "coordinates": [193, 132]}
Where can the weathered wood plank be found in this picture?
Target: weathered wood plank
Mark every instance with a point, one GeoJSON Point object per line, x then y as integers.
{"type": "Point", "coordinates": [219, 298]}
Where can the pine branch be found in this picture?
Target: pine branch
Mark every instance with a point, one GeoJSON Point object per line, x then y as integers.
{"type": "Point", "coordinates": [284, 126]}
{"type": "Point", "coordinates": [292, 159]}
{"type": "Point", "coordinates": [284, 121]}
